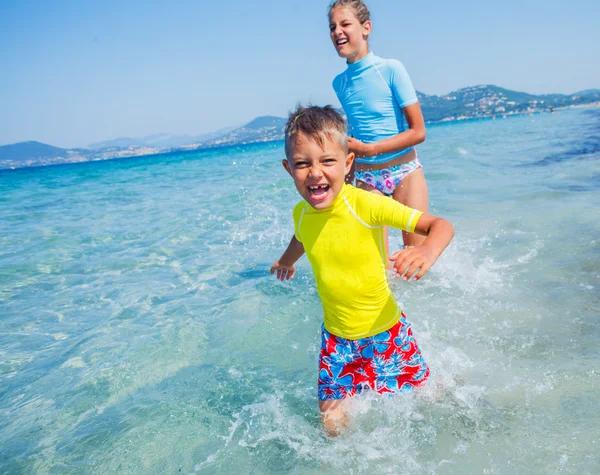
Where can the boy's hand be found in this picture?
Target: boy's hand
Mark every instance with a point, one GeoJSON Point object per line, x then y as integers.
{"type": "Point", "coordinates": [360, 149]}
{"type": "Point", "coordinates": [284, 272]}
{"type": "Point", "coordinates": [411, 259]}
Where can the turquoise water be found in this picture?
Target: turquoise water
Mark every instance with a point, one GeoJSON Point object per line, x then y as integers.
{"type": "Point", "coordinates": [140, 331]}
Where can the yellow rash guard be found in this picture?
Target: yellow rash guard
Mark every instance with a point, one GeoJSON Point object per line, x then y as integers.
{"type": "Point", "coordinates": [344, 244]}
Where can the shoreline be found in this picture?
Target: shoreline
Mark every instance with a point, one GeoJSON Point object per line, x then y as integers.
{"type": "Point", "coordinates": [122, 155]}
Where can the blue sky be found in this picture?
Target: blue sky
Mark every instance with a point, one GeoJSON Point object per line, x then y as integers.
{"type": "Point", "coordinates": [77, 72]}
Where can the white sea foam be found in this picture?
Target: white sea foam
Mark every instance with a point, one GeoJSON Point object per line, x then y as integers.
{"type": "Point", "coordinates": [141, 332]}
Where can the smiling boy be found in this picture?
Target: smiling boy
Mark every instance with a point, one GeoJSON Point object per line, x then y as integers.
{"type": "Point", "coordinates": [366, 341]}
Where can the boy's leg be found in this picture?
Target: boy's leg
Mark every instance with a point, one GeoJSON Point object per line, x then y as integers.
{"type": "Point", "coordinates": [334, 415]}
{"type": "Point", "coordinates": [338, 381]}
{"type": "Point", "coordinates": [412, 192]}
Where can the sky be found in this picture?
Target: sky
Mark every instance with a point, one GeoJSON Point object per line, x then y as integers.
{"type": "Point", "coordinates": [75, 72]}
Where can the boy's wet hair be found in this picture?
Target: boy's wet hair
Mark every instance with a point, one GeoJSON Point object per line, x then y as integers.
{"type": "Point", "coordinates": [317, 124]}
{"type": "Point", "coordinates": [360, 9]}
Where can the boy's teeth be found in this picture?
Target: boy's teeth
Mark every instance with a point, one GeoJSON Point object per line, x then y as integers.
{"type": "Point", "coordinates": [318, 190]}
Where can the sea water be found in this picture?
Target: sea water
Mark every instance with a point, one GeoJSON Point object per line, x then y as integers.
{"type": "Point", "coordinates": [141, 332]}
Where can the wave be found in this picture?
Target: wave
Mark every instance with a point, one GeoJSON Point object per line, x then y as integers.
{"type": "Point", "coordinates": [586, 150]}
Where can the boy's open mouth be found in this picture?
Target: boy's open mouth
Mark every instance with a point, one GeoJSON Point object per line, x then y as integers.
{"type": "Point", "coordinates": [341, 42]}
{"type": "Point", "coordinates": [318, 192]}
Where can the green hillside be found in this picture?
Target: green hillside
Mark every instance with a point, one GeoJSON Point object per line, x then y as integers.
{"type": "Point", "coordinates": [23, 151]}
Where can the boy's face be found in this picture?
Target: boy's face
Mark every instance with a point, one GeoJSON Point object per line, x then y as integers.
{"type": "Point", "coordinates": [318, 173]}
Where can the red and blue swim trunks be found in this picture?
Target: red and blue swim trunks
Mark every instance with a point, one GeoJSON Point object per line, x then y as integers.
{"type": "Point", "coordinates": [389, 362]}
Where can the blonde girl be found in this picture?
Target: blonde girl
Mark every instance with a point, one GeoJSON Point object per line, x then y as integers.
{"type": "Point", "coordinates": [384, 117]}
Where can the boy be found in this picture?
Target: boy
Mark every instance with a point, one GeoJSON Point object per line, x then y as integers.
{"type": "Point", "coordinates": [366, 340]}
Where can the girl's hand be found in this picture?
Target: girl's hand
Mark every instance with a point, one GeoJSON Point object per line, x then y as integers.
{"type": "Point", "coordinates": [411, 259]}
{"type": "Point", "coordinates": [360, 149]}
{"type": "Point", "coordinates": [284, 272]}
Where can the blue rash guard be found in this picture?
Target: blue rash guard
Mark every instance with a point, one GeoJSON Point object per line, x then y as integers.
{"type": "Point", "coordinates": [373, 91]}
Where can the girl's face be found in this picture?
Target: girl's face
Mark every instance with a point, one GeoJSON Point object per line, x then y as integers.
{"type": "Point", "coordinates": [348, 35]}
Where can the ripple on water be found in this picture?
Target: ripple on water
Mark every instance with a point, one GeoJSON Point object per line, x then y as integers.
{"type": "Point", "coordinates": [141, 331]}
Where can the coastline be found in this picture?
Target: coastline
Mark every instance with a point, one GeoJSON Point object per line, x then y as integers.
{"type": "Point", "coordinates": [142, 152]}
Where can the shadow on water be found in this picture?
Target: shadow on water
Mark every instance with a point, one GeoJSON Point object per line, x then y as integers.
{"type": "Point", "coordinates": [256, 272]}
{"type": "Point", "coordinates": [584, 147]}
{"type": "Point", "coordinates": [581, 150]}
{"type": "Point", "coordinates": [259, 271]}
{"type": "Point", "coordinates": [259, 277]}
{"type": "Point", "coordinates": [594, 184]}
{"type": "Point", "coordinates": [592, 112]}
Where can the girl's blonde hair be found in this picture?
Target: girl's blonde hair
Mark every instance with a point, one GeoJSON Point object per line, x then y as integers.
{"type": "Point", "coordinates": [360, 9]}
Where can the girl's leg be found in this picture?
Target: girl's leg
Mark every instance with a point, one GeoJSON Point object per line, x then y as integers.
{"type": "Point", "coordinates": [364, 186]}
{"type": "Point", "coordinates": [412, 192]}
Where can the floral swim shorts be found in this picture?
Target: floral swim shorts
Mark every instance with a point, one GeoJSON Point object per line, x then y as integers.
{"type": "Point", "coordinates": [387, 179]}
{"type": "Point", "coordinates": [389, 362]}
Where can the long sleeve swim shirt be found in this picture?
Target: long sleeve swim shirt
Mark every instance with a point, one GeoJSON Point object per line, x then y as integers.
{"type": "Point", "coordinates": [373, 91]}
{"type": "Point", "coordinates": [344, 244]}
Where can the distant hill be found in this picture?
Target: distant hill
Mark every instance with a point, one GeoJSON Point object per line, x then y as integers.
{"type": "Point", "coordinates": [159, 140]}
{"type": "Point", "coordinates": [466, 103]}
{"type": "Point", "coordinates": [588, 92]}
{"type": "Point", "coordinates": [261, 129]}
{"type": "Point", "coordinates": [487, 101]}
{"type": "Point", "coordinates": [121, 142]}
{"type": "Point", "coordinates": [23, 151]}
{"type": "Point", "coordinates": [265, 121]}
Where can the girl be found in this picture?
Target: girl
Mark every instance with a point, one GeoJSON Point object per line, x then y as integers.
{"type": "Point", "coordinates": [383, 113]}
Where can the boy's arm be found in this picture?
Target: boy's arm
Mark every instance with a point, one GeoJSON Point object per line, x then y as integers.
{"type": "Point", "coordinates": [285, 265]}
{"type": "Point", "coordinates": [439, 232]}
{"type": "Point", "coordinates": [378, 210]}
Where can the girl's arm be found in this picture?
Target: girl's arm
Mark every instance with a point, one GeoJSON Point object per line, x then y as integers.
{"type": "Point", "coordinates": [285, 265]}
{"type": "Point", "coordinates": [409, 138]}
